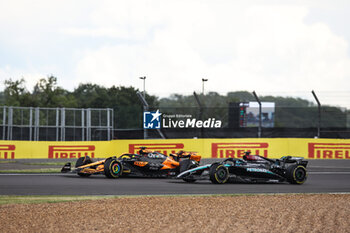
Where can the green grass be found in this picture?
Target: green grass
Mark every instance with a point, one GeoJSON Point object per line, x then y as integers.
{"type": "Point", "coordinates": [42, 170]}
{"type": "Point", "coordinates": [9, 199]}
{"type": "Point", "coordinates": [5, 199]}
{"type": "Point", "coordinates": [37, 163]}
{"type": "Point", "coordinates": [7, 161]}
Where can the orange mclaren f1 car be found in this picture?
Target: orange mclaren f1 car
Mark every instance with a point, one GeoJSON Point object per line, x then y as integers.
{"type": "Point", "coordinates": [146, 163]}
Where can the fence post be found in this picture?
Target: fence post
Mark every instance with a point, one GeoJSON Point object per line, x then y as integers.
{"type": "Point", "coordinates": [63, 124]}
{"type": "Point", "coordinates": [108, 125]}
{"type": "Point", "coordinates": [88, 124]}
{"type": "Point", "coordinates": [4, 123]}
{"type": "Point", "coordinates": [57, 122]}
{"type": "Point", "coordinates": [257, 99]}
{"type": "Point", "coordinates": [10, 122]}
{"type": "Point", "coordinates": [112, 121]}
{"type": "Point", "coordinates": [145, 108]}
{"type": "Point", "coordinates": [319, 114]}
{"type": "Point", "coordinates": [36, 124]}
{"type": "Point", "coordinates": [30, 123]}
{"type": "Point", "coordinates": [82, 124]}
{"type": "Point", "coordinates": [200, 111]}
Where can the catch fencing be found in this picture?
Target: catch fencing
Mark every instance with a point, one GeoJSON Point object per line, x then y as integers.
{"type": "Point", "coordinates": [239, 121]}
{"type": "Point", "coordinates": [56, 124]}
{"type": "Point", "coordinates": [279, 116]}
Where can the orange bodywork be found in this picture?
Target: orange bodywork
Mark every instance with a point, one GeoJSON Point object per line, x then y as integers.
{"type": "Point", "coordinates": [140, 163]}
{"type": "Point", "coordinates": [88, 171]}
{"type": "Point", "coordinates": [93, 164]}
{"type": "Point", "coordinates": [196, 157]}
{"type": "Point", "coordinates": [170, 164]}
{"type": "Point", "coordinates": [145, 151]}
{"type": "Point", "coordinates": [99, 168]}
{"type": "Point", "coordinates": [193, 155]}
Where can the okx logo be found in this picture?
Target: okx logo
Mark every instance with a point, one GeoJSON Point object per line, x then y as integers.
{"type": "Point", "coordinates": [151, 120]}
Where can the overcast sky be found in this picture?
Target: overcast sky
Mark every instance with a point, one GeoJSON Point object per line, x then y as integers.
{"type": "Point", "coordinates": [267, 46]}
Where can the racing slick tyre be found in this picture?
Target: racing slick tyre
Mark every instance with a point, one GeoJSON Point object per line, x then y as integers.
{"type": "Point", "coordinates": [113, 168]}
{"type": "Point", "coordinates": [218, 173]}
{"type": "Point", "coordinates": [296, 174]}
{"type": "Point", "coordinates": [83, 161]}
{"type": "Point", "coordinates": [187, 165]}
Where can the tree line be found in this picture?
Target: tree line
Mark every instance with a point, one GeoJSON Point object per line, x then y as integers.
{"type": "Point", "coordinates": [46, 93]}
{"type": "Point", "coordinates": [289, 112]}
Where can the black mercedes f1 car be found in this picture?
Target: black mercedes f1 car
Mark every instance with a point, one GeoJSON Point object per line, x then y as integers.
{"type": "Point", "coordinates": [144, 164]}
{"type": "Point", "coordinates": [250, 169]}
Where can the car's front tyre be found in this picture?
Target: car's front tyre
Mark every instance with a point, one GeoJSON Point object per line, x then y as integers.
{"type": "Point", "coordinates": [218, 173]}
{"type": "Point", "coordinates": [113, 168]}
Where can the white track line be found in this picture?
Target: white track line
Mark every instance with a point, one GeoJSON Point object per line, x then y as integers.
{"type": "Point", "coordinates": [329, 173]}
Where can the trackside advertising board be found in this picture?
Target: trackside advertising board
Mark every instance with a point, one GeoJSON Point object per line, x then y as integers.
{"type": "Point", "coordinates": [208, 148]}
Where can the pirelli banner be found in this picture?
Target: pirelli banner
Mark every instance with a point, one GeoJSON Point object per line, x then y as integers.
{"type": "Point", "coordinates": [208, 148]}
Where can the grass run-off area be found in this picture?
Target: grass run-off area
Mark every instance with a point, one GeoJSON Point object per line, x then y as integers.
{"type": "Point", "coordinates": [32, 199]}
{"type": "Point", "coordinates": [7, 199]}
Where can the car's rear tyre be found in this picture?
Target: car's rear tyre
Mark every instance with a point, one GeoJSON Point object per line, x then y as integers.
{"type": "Point", "coordinates": [218, 173]}
{"type": "Point", "coordinates": [187, 165]}
{"type": "Point", "coordinates": [296, 174]}
{"type": "Point", "coordinates": [83, 161]}
{"type": "Point", "coordinates": [113, 168]}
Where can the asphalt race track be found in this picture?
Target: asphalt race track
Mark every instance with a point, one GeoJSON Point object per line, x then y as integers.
{"type": "Point", "coordinates": [99, 185]}
{"type": "Point", "coordinates": [323, 177]}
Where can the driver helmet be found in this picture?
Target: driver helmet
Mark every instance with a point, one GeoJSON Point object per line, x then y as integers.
{"type": "Point", "coordinates": [180, 152]}
{"type": "Point", "coordinates": [143, 151]}
{"type": "Point", "coordinates": [248, 157]}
